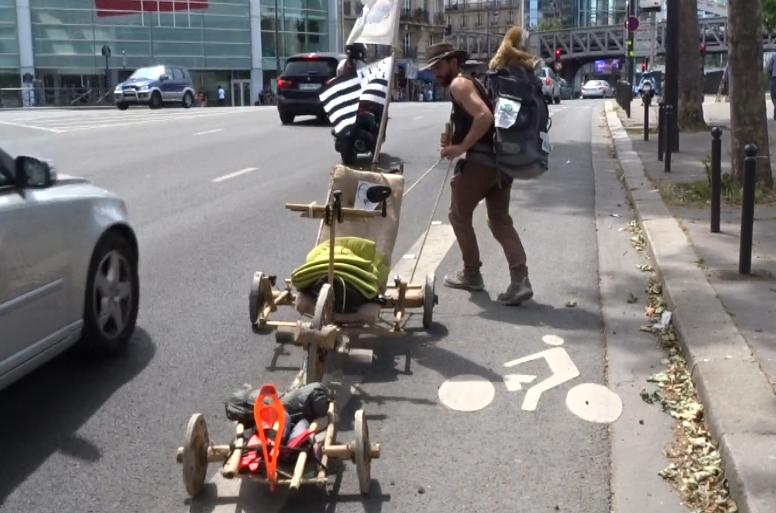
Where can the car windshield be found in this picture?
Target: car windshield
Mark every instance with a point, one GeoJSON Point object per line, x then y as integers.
{"type": "Point", "coordinates": [152, 73]}
{"type": "Point", "coordinates": [593, 83]}
{"type": "Point", "coordinates": [325, 67]}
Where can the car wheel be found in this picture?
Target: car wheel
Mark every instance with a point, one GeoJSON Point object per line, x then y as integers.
{"type": "Point", "coordinates": [188, 100]}
{"type": "Point", "coordinates": [286, 119]}
{"type": "Point", "coordinates": [156, 100]}
{"type": "Point", "coordinates": [112, 296]}
{"type": "Point", "coordinates": [122, 106]}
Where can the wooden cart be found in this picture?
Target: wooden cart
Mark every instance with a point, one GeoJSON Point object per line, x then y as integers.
{"type": "Point", "coordinates": [339, 218]}
{"type": "Point", "coordinates": [198, 452]}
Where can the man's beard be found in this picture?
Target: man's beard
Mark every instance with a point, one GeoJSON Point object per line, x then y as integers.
{"type": "Point", "coordinates": [447, 80]}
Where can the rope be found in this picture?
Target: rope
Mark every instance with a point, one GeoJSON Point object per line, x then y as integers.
{"type": "Point", "coordinates": [433, 213]}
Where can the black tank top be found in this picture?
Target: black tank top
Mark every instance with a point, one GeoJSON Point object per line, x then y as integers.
{"type": "Point", "coordinates": [462, 123]}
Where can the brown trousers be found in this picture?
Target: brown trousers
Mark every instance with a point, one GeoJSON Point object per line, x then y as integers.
{"type": "Point", "coordinates": [475, 183]}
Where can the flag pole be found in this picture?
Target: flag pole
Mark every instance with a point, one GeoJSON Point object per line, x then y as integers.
{"type": "Point", "coordinates": [384, 120]}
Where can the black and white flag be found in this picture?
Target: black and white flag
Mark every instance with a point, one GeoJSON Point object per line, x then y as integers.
{"type": "Point", "coordinates": [366, 88]}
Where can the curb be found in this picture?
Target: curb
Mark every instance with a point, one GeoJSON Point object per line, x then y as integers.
{"type": "Point", "coordinates": [739, 404]}
{"type": "Point", "coordinates": [44, 109]}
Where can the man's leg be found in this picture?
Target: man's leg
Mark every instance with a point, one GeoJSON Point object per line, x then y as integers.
{"type": "Point", "coordinates": [503, 229]}
{"type": "Point", "coordinates": [467, 189]}
{"type": "Point", "coordinates": [773, 95]}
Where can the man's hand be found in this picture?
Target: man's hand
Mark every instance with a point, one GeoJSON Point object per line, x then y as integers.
{"type": "Point", "coordinates": [451, 152]}
{"type": "Point", "coordinates": [444, 140]}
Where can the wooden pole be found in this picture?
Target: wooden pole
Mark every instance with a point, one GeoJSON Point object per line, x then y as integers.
{"type": "Point", "coordinates": [384, 120]}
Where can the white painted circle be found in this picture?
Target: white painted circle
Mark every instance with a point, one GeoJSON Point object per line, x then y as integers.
{"type": "Point", "coordinates": [552, 340]}
{"type": "Point", "coordinates": [594, 403]}
{"type": "Point", "coordinates": [467, 392]}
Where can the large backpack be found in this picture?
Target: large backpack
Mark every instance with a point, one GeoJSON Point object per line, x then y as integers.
{"type": "Point", "coordinates": [521, 141]}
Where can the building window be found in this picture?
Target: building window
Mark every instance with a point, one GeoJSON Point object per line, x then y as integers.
{"type": "Point", "coordinates": [430, 39]}
{"type": "Point", "coordinates": [479, 19]}
{"type": "Point", "coordinates": [463, 21]}
{"type": "Point", "coordinates": [510, 17]}
{"type": "Point", "coordinates": [494, 20]}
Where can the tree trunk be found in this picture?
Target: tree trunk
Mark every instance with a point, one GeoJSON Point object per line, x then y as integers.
{"type": "Point", "coordinates": [690, 74]}
{"type": "Point", "coordinates": [747, 98]}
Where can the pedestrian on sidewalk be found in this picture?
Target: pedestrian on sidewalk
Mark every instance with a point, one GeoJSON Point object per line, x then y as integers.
{"type": "Point", "coordinates": [772, 73]}
{"type": "Point", "coordinates": [221, 96]}
{"type": "Point", "coordinates": [476, 178]}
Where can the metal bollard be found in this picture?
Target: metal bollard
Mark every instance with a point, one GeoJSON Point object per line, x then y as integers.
{"type": "Point", "coordinates": [667, 138]}
{"type": "Point", "coordinates": [716, 177]}
{"type": "Point", "coordinates": [647, 102]}
{"type": "Point", "coordinates": [747, 210]}
{"type": "Point", "coordinates": [628, 97]}
{"type": "Point", "coordinates": [661, 127]}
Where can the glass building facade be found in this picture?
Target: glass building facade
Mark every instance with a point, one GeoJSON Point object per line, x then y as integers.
{"type": "Point", "coordinates": [231, 43]}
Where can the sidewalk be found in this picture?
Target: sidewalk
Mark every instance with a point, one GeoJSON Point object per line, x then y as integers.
{"type": "Point", "coordinates": [726, 322]}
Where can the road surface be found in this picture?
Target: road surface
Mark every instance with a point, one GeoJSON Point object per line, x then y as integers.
{"type": "Point", "coordinates": [205, 189]}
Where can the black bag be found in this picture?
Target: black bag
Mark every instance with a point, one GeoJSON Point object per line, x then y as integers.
{"type": "Point", "coordinates": [309, 402]}
{"type": "Point", "coordinates": [521, 141]}
{"type": "Point", "coordinates": [239, 406]}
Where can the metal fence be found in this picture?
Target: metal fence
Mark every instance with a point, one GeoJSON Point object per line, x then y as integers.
{"type": "Point", "coordinates": [55, 97]}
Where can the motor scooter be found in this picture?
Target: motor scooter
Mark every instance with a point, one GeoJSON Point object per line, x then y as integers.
{"type": "Point", "coordinates": [359, 138]}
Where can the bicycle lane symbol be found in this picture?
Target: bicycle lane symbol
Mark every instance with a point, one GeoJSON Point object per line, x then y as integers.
{"type": "Point", "coordinates": [589, 401]}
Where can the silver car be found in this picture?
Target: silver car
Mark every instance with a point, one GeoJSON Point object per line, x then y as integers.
{"type": "Point", "coordinates": [550, 84]}
{"type": "Point", "coordinates": [68, 267]}
{"type": "Point", "coordinates": [597, 89]}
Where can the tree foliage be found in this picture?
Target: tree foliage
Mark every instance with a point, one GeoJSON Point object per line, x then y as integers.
{"type": "Point", "coordinates": [551, 24]}
{"type": "Point", "coordinates": [769, 15]}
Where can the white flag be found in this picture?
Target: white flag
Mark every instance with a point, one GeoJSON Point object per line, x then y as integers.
{"type": "Point", "coordinates": [378, 23]}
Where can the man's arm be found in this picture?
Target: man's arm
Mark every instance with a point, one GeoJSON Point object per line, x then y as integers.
{"type": "Point", "coordinates": [466, 93]}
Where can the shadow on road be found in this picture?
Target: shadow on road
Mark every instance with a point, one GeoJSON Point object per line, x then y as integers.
{"type": "Point", "coordinates": [43, 412]}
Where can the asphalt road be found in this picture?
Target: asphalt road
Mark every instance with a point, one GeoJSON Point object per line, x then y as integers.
{"type": "Point", "coordinates": [205, 189]}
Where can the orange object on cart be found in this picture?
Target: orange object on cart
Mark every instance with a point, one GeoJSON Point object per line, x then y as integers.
{"type": "Point", "coordinates": [270, 416]}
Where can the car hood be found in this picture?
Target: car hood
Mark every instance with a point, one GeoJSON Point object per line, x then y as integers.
{"type": "Point", "coordinates": [137, 82]}
{"type": "Point", "coordinates": [63, 179]}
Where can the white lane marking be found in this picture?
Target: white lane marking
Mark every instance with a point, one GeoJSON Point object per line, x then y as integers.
{"type": "Point", "coordinates": [440, 240]}
{"type": "Point", "coordinates": [552, 340]}
{"type": "Point", "coordinates": [31, 127]}
{"type": "Point", "coordinates": [215, 130]}
{"type": "Point", "coordinates": [594, 403]}
{"type": "Point", "coordinates": [561, 366]}
{"type": "Point", "coordinates": [467, 392]}
{"type": "Point", "coordinates": [418, 117]}
{"type": "Point", "coordinates": [235, 174]}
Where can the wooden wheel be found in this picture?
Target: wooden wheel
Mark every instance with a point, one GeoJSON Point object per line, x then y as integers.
{"type": "Point", "coordinates": [363, 452]}
{"type": "Point", "coordinates": [256, 300]}
{"type": "Point", "coordinates": [195, 454]}
{"type": "Point", "coordinates": [430, 299]}
{"type": "Point", "coordinates": [315, 357]}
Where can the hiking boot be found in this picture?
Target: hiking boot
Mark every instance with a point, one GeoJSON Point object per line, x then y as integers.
{"type": "Point", "coordinates": [519, 290]}
{"type": "Point", "coordinates": [461, 280]}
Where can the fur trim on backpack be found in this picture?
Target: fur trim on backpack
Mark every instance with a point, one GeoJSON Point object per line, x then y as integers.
{"type": "Point", "coordinates": [514, 52]}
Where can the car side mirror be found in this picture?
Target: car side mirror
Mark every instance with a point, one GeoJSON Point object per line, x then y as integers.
{"type": "Point", "coordinates": [164, 77]}
{"type": "Point", "coordinates": [32, 173]}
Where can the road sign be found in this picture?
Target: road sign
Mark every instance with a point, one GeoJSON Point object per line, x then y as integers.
{"type": "Point", "coordinates": [633, 23]}
{"type": "Point", "coordinates": [642, 40]}
{"type": "Point", "coordinates": [558, 66]}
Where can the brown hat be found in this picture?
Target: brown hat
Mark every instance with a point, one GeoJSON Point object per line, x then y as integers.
{"type": "Point", "coordinates": [441, 51]}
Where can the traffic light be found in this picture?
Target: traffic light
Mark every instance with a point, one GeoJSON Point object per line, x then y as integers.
{"type": "Point", "coordinates": [557, 55]}
{"type": "Point", "coordinates": [703, 49]}
{"type": "Point", "coordinates": [643, 67]}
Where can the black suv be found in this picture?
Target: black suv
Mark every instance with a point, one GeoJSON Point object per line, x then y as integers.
{"type": "Point", "coordinates": [298, 86]}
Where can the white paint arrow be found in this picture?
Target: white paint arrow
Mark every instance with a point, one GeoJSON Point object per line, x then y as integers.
{"type": "Point", "coordinates": [514, 382]}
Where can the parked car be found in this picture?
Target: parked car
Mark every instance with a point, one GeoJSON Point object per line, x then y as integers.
{"type": "Point", "coordinates": [550, 84]}
{"type": "Point", "coordinates": [299, 83]}
{"type": "Point", "coordinates": [69, 267]}
{"type": "Point", "coordinates": [597, 89]}
{"type": "Point", "coordinates": [156, 86]}
{"type": "Point", "coordinates": [565, 90]}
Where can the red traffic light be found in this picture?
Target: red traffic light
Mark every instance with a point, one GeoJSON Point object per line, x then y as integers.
{"type": "Point", "coordinates": [703, 47]}
{"type": "Point", "coordinates": [557, 53]}
{"type": "Point", "coordinates": [643, 66]}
